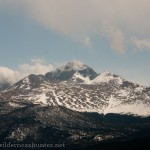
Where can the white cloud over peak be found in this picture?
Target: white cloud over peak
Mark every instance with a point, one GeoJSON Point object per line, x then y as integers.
{"type": "Point", "coordinates": [9, 75]}
{"type": "Point", "coordinates": [36, 66]}
{"type": "Point", "coordinates": [78, 18]}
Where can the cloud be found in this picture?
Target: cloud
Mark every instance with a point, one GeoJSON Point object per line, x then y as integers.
{"type": "Point", "coordinates": [36, 66]}
{"type": "Point", "coordinates": [9, 75]}
{"type": "Point", "coordinates": [78, 18]}
{"type": "Point", "coordinates": [117, 40]}
{"type": "Point", "coordinates": [141, 44]}
{"type": "Point", "coordinates": [87, 41]}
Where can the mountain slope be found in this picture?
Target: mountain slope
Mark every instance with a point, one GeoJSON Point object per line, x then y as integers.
{"type": "Point", "coordinates": [36, 123]}
{"type": "Point", "coordinates": [107, 77]}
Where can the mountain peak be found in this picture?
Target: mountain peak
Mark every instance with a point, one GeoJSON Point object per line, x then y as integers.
{"type": "Point", "coordinates": [106, 73]}
{"type": "Point", "coordinates": [107, 77]}
{"type": "Point", "coordinates": [66, 72]}
{"type": "Point", "coordinates": [74, 65]}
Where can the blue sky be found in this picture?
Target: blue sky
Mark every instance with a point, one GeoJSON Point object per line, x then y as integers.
{"type": "Point", "coordinates": [45, 33]}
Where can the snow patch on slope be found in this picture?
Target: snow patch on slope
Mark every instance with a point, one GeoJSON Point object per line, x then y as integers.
{"type": "Point", "coordinates": [139, 89]}
{"type": "Point", "coordinates": [56, 98]}
{"type": "Point", "coordinates": [111, 104]}
{"type": "Point", "coordinates": [42, 99]}
{"type": "Point", "coordinates": [15, 105]}
{"type": "Point", "coordinates": [106, 77]}
{"type": "Point", "coordinates": [135, 109]}
{"type": "Point", "coordinates": [26, 82]}
{"type": "Point", "coordinates": [115, 106]}
{"type": "Point", "coordinates": [77, 76]}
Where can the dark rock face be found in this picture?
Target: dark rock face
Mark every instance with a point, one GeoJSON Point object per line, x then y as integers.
{"type": "Point", "coordinates": [128, 84]}
{"type": "Point", "coordinates": [32, 80]}
{"type": "Point", "coordinates": [59, 75]}
{"type": "Point", "coordinates": [66, 72]}
{"type": "Point", "coordinates": [88, 72]}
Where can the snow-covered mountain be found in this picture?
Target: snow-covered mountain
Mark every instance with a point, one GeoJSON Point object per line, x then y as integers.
{"type": "Point", "coordinates": [78, 87]}
{"type": "Point", "coordinates": [107, 77]}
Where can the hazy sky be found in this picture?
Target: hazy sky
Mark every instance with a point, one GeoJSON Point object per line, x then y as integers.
{"type": "Point", "coordinates": [112, 35]}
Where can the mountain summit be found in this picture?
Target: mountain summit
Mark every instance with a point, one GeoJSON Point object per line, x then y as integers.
{"type": "Point", "coordinates": [74, 65]}
{"type": "Point", "coordinates": [70, 70]}
{"type": "Point", "coordinates": [107, 77]}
